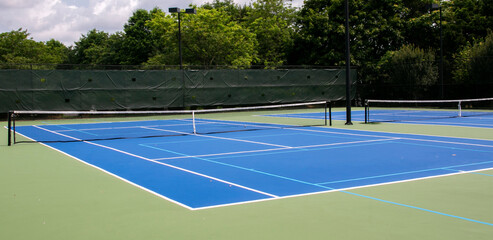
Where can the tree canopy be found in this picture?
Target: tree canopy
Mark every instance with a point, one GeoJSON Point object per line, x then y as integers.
{"type": "Point", "coordinates": [16, 47]}
{"type": "Point", "coordinates": [273, 33]}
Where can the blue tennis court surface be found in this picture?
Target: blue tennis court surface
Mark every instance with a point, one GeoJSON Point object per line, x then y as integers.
{"type": "Point", "coordinates": [202, 171]}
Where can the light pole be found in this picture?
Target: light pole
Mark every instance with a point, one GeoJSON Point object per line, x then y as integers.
{"type": "Point", "coordinates": [348, 68]}
{"type": "Point", "coordinates": [432, 7]}
{"type": "Point", "coordinates": [178, 10]}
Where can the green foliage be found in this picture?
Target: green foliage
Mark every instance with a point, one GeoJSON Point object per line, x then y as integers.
{"type": "Point", "coordinates": [375, 29]}
{"type": "Point", "coordinates": [56, 51]}
{"type": "Point", "coordinates": [134, 46]}
{"type": "Point", "coordinates": [138, 42]}
{"type": "Point", "coordinates": [208, 38]}
{"type": "Point", "coordinates": [273, 33]}
{"type": "Point", "coordinates": [474, 63]}
{"type": "Point", "coordinates": [92, 48]}
{"type": "Point", "coordinates": [320, 38]}
{"type": "Point", "coordinates": [17, 48]}
{"type": "Point", "coordinates": [271, 23]}
{"type": "Point", "coordinates": [407, 68]}
{"type": "Point", "coordinates": [421, 27]}
{"type": "Point", "coordinates": [470, 20]}
{"type": "Point", "coordinates": [235, 11]}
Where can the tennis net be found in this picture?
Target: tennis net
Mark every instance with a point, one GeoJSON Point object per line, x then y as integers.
{"type": "Point", "coordinates": [419, 110]}
{"type": "Point", "coordinates": [74, 126]}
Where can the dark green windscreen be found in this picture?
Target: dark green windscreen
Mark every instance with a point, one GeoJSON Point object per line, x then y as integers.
{"type": "Point", "coordinates": [162, 89]}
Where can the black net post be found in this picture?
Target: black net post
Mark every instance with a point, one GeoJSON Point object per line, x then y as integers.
{"type": "Point", "coordinates": [325, 108]}
{"type": "Point", "coordinates": [9, 120]}
{"type": "Point", "coordinates": [330, 113]}
{"type": "Point", "coordinates": [13, 127]}
{"type": "Point", "coordinates": [366, 111]}
{"type": "Point", "coordinates": [329, 106]}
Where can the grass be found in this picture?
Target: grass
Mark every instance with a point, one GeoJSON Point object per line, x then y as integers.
{"type": "Point", "coordinates": [45, 194]}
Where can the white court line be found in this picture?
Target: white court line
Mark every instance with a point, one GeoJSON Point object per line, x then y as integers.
{"type": "Point", "coordinates": [276, 149]}
{"type": "Point", "coordinates": [160, 163]}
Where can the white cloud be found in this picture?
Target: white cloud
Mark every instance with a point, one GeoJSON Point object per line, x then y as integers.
{"type": "Point", "coordinates": [12, 4]}
{"type": "Point", "coordinates": [67, 20]}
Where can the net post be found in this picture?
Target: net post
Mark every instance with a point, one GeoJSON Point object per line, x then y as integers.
{"type": "Point", "coordinates": [325, 116]}
{"type": "Point", "coordinates": [9, 135]}
{"type": "Point", "coordinates": [460, 109]}
{"type": "Point", "coordinates": [330, 113]}
{"type": "Point", "coordinates": [366, 111]}
{"type": "Point", "coordinates": [193, 123]}
{"type": "Point", "coordinates": [13, 126]}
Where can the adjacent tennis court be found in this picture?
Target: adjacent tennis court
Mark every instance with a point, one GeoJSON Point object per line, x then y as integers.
{"type": "Point", "coordinates": [464, 112]}
{"type": "Point", "coordinates": [482, 119]}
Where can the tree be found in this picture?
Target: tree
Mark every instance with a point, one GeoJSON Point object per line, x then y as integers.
{"type": "Point", "coordinates": [56, 51]}
{"type": "Point", "coordinates": [138, 42]}
{"type": "Point", "coordinates": [235, 11]}
{"type": "Point", "coordinates": [272, 22]}
{"type": "Point", "coordinates": [470, 20]}
{"type": "Point", "coordinates": [100, 48]}
{"type": "Point", "coordinates": [375, 29]}
{"type": "Point", "coordinates": [410, 71]}
{"type": "Point", "coordinates": [90, 48]}
{"type": "Point", "coordinates": [420, 19]}
{"type": "Point", "coordinates": [17, 48]}
{"type": "Point", "coordinates": [474, 63]}
{"type": "Point", "coordinates": [208, 38]}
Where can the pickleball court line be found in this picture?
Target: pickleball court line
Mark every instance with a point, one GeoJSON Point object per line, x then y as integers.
{"type": "Point", "coordinates": [346, 190]}
{"type": "Point", "coordinates": [419, 208]}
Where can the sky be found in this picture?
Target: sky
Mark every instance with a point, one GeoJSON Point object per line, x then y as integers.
{"type": "Point", "coordinates": [68, 20]}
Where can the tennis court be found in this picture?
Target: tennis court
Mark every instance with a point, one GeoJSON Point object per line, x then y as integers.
{"type": "Point", "coordinates": [237, 167]}
{"type": "Point", "coordinates": [224, 174]}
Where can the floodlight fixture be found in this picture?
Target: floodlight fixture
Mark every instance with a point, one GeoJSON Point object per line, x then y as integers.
{"type": "Point", "coordinates": [174, 10]}
{"type": "Point", "coordinates": [191, 11]}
